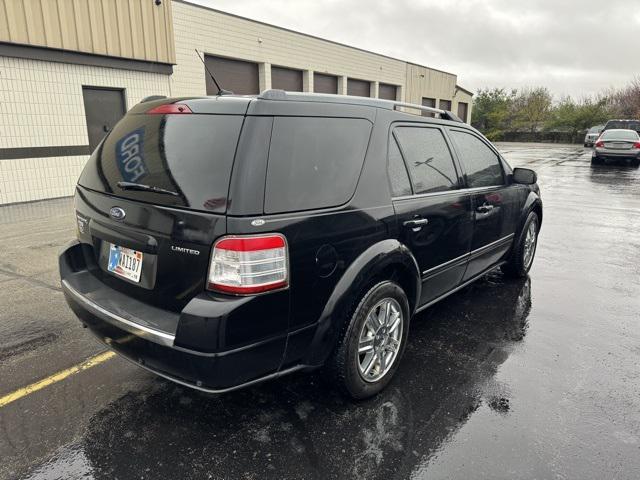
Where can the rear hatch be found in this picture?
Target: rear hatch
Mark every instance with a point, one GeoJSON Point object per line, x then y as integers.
{"type": "Point", "coordinates": [153, 197]}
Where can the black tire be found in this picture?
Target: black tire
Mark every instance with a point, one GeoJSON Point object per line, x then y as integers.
{"type": "Point", "coordinates": [519, 264]}
{"type": "Point", "coordinates": [343, 367]}
{"type": "Point", "coordinates": [596, 161]}
{"type": "Point", "coordinates": [636, 163]}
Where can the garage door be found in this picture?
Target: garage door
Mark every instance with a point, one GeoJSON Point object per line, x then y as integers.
{"type": "Point", "coordinates": [286, 79]}
{"type": "Point", "coordinates": [325, 83]}
{"type": "Point", "coordinates": [360, 88]}
{"type": "Point", "coordinates": [236, 75]}
{"type": "Point", "coordinates": [463, 109]}
{"type": "Point", "coordinates": [428, 102]}
{"type": "Point", "coordinates": [445, 105]}
{"type": "Point", "coordinates": [387, 92]}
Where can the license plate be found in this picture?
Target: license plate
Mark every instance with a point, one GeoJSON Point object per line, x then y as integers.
{"type": "Point", "coordinates": [619, 146]}
{"type": "Point", "coordinates": [125, 262]}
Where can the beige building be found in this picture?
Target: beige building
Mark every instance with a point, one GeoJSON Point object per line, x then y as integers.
{"type": "Point", "coordinates": [69, 69]}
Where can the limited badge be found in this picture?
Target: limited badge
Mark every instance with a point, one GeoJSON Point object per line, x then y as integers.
{"type": "Point", "coordinates": [82, 223]}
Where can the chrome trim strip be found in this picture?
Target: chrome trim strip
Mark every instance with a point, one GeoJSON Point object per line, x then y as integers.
{"type": "Point", "coordinates": [488, 246]}
{"type": "Point", "coordinates": [250, 383]}
{"type": "Point", "coordinates": [459, 191]}
{"type": "Point", "coordinates": [147, 333]}
{"type": "Point", "coordinates": [459, 287]}
{"type": "Point", "coordinates": [446, 264]}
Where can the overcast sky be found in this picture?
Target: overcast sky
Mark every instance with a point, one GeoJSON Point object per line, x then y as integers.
{"type": "Point", "coordinates": [576, 47]}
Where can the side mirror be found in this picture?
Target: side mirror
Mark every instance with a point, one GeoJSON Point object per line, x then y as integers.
{"type": "Point", "coordinates": [524, 176]}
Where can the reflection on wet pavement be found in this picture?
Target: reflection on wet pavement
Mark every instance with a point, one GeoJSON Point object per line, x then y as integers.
{"type": "Point", "coordinates": [537, 378]}
{"type": "Point", "coordinates": [295, 428]}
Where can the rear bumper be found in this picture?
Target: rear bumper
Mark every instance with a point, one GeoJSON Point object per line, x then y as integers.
{"type": "Point", "coordinates": [608, 153]}
{"type": "Point", "coordinates": [186, 347]}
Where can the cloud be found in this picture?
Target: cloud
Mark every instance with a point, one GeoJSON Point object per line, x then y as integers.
{"type": "Point", "coordinates": [572, 47]}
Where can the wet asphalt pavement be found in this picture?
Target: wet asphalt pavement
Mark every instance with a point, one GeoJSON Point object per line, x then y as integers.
{"type": "Point", "coordinates": [532, 379]}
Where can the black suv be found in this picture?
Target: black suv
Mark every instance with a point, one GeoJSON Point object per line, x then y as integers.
{"type": "Point", "coordinates": [223, 241]}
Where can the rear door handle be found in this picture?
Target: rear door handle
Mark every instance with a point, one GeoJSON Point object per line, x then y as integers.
{"type": "Point", "coordinates": [416, 224]}
{"type": "Point", "coordinates": [484, 208]}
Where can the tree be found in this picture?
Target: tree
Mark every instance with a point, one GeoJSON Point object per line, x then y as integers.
{"type": "Point", "coordinates": [625, 103]}
{"type": "Point", "coordinates": [491, 112]}
{"type": "Point", "coordinates": [576, 117]}
{"type": "Point", "coordinates": [532, 108]}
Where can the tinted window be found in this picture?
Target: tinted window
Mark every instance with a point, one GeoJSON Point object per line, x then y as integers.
{"type": "Point", "coordinates": [314, 162]}
{"type": "Point", "coordinates": [428, 159]}
{"type": "Point", "coordinates": [480, 162]}
{"type": "Point", "coordinates": [619, 135]}
{"type": "Point", "coordinates": [398, 175]}
{"type": "Point", "coordinates": [624, 124]}
{"type": "Point", "coordinates": [190, 155]}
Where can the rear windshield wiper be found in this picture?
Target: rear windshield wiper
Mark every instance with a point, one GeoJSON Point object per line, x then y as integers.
{"type": "Point", "coordinates": [146, 188]}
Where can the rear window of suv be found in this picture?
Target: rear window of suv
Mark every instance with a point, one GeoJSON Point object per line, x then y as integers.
{"type": "Point", "coordinates": [190, 155]}
{"type": "Point", "coordinates": [314, 162]}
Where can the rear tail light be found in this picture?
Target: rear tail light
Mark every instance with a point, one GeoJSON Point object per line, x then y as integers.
{"type": "Point", "coordinates": [245, 265]}
{"type": "Point", "coordinates": [599, 144]}
{"type": "Point", "coordinates": [170, 108]}
{"type": "Point", "coordinates": [636, 145]}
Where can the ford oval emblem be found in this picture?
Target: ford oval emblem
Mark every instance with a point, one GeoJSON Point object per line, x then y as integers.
{"type": "Point", "coordinates": [117, 213]}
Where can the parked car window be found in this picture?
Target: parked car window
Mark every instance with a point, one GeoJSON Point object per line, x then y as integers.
{"type": "Point", "coordinates": [480, 162]}
{"type": "Point", "coordinates": [398, 176]}
{"type": "Point", "coordinates": [428, 159]}
{"type": "Point", "coordinates": [314, 162]}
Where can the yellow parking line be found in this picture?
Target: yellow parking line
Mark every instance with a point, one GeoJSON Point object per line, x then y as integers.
{"type": "Point", "coordinates": [56, 377]}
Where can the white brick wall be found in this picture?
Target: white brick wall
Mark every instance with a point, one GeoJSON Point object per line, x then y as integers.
{"type": "Point", "coordinates": [23, 180]}
{"type": "Point", "coordinates": [41, 105]}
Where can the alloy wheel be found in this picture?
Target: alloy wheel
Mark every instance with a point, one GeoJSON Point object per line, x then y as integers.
{"type": "Point", "coordinates": [530, 244]}
{"type": "Point", "coordinates": [379, 340]}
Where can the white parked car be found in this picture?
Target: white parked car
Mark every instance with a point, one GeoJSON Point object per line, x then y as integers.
{"type": "Point", "coordinates": [592, 135]}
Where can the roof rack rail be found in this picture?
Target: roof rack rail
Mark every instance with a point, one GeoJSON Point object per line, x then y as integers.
{"type": "Point", "coordinates": [444, 114]}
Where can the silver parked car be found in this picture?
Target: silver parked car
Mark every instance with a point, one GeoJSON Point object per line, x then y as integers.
{"type": "Point", "coordinates": [592, 135]}
{"type": "Point", "coordinates": [617, 144]}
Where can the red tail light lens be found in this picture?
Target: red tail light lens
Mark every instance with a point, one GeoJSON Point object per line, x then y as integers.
{"type": "Point", "coordinates": [251, 264]}
{"type": "Point", "coordinates": [599, 144]}
{"type": "Point", "coordinates": [636, 145]}
{"type": "Point", "coordinates": [170, 108]}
